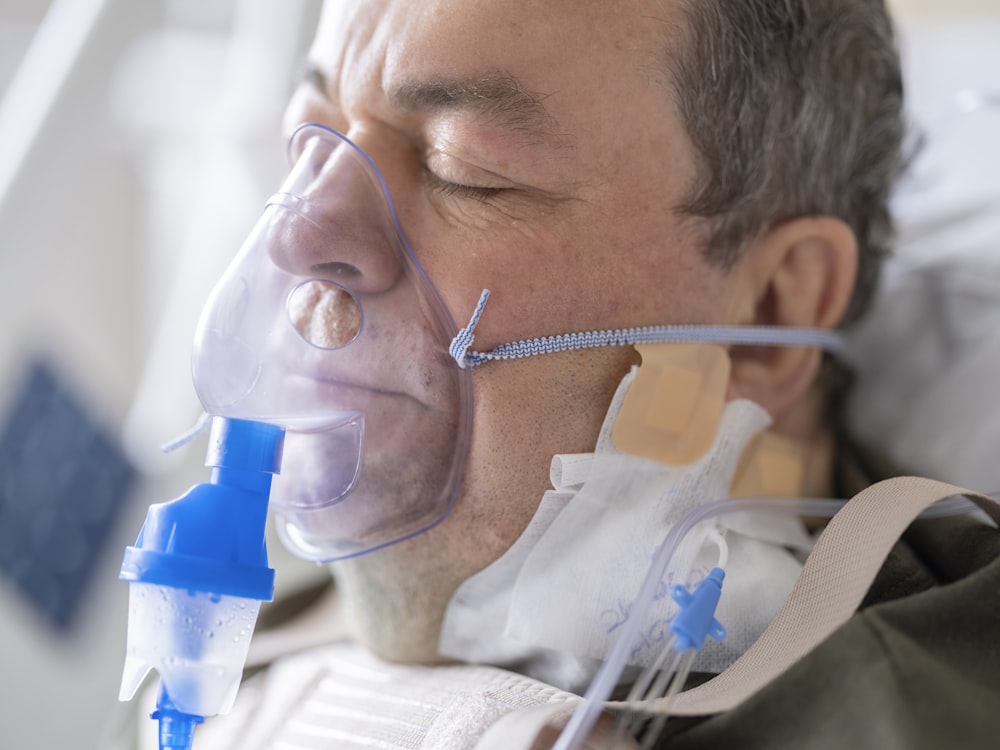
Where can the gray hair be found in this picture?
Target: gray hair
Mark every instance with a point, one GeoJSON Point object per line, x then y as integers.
{"type": "Point", "coordinates": [795, 109]}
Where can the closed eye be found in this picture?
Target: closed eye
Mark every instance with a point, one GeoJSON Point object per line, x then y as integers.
{"type": "Point", "coordinates": [471, 192]}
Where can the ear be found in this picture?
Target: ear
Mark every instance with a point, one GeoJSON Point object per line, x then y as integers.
{"type": "Point", "coordinates": [800, 273]}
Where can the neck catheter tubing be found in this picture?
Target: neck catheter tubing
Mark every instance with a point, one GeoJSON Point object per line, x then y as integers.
{"type": "Point", "coordinates": [600, 689]}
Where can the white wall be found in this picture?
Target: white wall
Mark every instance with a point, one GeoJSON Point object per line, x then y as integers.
{"type": "Point", "coordinates": [928, 353]}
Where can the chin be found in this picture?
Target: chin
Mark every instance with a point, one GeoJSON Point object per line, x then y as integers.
{"type": "Point", "coordinates": [395, 600]}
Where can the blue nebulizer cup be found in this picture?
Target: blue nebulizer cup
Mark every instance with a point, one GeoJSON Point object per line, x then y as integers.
{"type": "Point", "coordinates": [197, 575]}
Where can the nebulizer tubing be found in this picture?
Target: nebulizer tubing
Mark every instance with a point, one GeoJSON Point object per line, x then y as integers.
{"type": "Point", "coordinates": [607, 678]}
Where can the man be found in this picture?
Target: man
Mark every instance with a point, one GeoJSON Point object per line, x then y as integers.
{"type": "Point", "coordinates": [580, 209]}
{"type": "Point", "coordinates": [604, 166]}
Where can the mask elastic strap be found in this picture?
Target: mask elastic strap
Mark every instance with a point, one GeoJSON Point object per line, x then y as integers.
{"type": "Point", "coordinates": [459, 349]}
{"type": "Point", "coordinates": [827, 340]}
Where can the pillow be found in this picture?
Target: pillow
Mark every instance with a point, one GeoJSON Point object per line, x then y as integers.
{"type": "Point", "coordinates": [928, 355]}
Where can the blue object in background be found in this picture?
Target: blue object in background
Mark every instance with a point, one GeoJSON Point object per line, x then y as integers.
{"type": "Point", "coordinates": [63, 482]}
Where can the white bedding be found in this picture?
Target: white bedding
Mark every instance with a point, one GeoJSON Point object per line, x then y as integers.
{"type": "Point", "coordinates": [929, 356]}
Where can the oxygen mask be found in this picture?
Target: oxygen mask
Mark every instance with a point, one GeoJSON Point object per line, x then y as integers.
{"type": "Point", "coordinates": [326, 325]}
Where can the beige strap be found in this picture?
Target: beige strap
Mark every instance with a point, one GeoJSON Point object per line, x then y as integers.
{"type": "Point", "coordinates": [835, 579]}
{"type": "Point", "coordinates": [830, 588]}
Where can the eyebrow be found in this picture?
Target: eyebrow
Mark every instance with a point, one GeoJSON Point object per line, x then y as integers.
{"type": "Point", "coordinates": [500, 98]}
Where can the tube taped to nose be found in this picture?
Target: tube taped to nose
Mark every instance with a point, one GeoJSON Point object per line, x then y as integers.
{"type": "Point", "coordinates": [326, 325]}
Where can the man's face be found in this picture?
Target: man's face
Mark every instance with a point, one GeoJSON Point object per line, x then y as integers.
{"type": "Point", "coordinates": [531, 148]}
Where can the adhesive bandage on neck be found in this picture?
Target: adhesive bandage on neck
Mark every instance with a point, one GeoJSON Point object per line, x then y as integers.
{"type": "Point", "coordinates": [672, 410]}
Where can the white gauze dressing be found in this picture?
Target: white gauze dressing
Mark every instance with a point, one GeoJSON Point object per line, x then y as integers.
{"type": "Point", "coordinates": [552, 605]}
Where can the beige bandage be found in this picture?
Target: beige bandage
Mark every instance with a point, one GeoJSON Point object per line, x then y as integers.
{"type": "Point", "coordinates": [672, 411]}
{"type": "Point", "coordinates": [771, 466]}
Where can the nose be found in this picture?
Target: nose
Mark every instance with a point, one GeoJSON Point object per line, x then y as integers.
{"type": "Point", "coordinates": [334, 219]}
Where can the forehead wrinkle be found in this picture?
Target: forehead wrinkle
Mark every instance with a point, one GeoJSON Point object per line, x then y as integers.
{"type": "Point", "coordinates": [499, 98]}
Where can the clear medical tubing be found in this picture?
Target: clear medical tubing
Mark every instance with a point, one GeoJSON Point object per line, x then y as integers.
{"type": "Point", "coordinates": [677, 674]}
{"type": "Point", "coordinates": [586, 715]}
{"type": "Point", "coordinates": [326, 324]}
{"type": "Point", "coordinates": [691, 626]}
{"type": "Point", "coordinates": [197, 574]}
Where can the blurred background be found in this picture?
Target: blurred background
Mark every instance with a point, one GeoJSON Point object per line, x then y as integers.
{"type": "Point", "coordinates": [138, 141]}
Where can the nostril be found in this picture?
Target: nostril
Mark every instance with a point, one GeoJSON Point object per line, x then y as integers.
{"type": "Point", "coordinates": [337, 269]}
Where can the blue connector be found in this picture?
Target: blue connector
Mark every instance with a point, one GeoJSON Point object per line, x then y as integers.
{"type": "Point", "coordinates": [696, 620]}
{"type": "Point", "coordinates": [176, 727]}
{"type": "Point", "coordinates": [212, 538]}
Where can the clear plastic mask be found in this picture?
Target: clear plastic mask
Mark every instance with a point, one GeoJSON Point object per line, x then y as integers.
{"type": "Point", "coordinates": [326, 325]}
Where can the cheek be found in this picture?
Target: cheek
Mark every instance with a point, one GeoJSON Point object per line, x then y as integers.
{"type": "Point", "coordinates": [530, 274]}
{"type": "Point", "coordinates": [655, 272]}
{"type": "Point", "coordinates": [526, 411]}
{"type": "Point", "coordinates": [582, 267]}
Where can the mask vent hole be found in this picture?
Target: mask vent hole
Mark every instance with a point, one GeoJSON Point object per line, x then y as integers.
{"type": "Point", "coordinates": [324, 314]}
